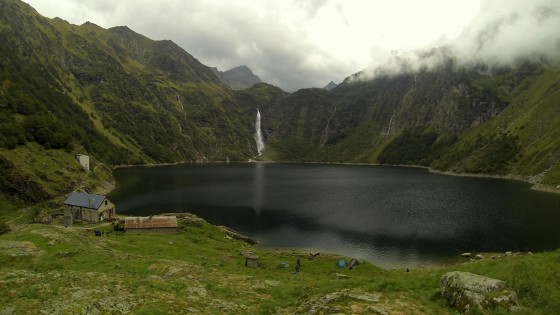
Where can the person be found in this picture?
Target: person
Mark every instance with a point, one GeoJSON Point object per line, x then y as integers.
{"type": "Point", "coordinates": [298, 265]}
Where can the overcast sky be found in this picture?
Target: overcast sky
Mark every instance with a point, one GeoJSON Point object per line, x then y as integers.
{"type": "Point", "coordinates": [307, 43]}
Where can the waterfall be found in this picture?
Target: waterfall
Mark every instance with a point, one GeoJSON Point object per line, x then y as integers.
{"type": "Point", "coordinates": [390, 124]}
{"type": "Point", "coordinates": [258, 134]}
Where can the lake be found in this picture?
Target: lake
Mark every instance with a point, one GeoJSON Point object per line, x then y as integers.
{"type": "Point", "coordinates": [394, 217]}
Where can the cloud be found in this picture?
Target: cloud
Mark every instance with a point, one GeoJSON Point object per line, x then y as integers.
{"type": "Point", "coordinates": [311, 7]}
{"type": "Point", "coordinates": [297, 44]}
{"type": "Point", "coordinates": [503, 33]}
{"type": "Point", "coordinates": [220, 33]}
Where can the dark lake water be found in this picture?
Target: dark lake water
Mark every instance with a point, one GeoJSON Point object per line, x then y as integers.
{"type": "Point", "coordinates": [391, 216]}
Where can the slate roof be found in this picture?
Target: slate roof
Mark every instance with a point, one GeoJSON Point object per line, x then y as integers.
{"type": "Point", "coordinates": [89, 201]}
{"type": "Point", "coordinates": [150, 222]}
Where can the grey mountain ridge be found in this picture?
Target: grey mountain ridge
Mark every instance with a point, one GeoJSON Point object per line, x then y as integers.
{"type": "Point", "coordinates": [238, 78]}
{"type": "Point", "coordinates": [330, 86]}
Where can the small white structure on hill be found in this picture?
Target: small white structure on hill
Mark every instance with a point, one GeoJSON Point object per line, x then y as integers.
{"type": "Point", "coordinates": [84, 160]}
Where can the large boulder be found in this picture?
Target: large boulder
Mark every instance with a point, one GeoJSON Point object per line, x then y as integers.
{"type": "Point", "coordinates": [466, 291]}
{"type": "Point", "coordinates": [235, 235]}
{"type": "Point", "coordinates": [42, 218]}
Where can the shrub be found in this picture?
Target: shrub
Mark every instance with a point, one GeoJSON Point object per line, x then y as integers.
{"type": "Point", "coordinates": [4, 228]}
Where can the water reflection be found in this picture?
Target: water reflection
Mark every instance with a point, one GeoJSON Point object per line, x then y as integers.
{"type": "Point", "coordinates": [392, 217]}
{"type": "Point", "coordinates": [258, 190]}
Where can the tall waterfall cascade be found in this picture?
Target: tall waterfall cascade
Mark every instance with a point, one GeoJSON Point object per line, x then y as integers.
{"type": "Point", "coordinates": [258, 134]}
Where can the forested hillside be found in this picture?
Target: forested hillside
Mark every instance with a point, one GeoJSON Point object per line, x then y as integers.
{"type": "Point", "coordinates": [113, 94]}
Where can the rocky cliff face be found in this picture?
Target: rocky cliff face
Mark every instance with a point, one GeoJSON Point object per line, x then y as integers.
{"type": "Point", "coordinates": [474, 119]}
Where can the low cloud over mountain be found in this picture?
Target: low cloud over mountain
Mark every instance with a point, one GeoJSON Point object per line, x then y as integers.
{"type": "Point", "coordinates": [502, 34]}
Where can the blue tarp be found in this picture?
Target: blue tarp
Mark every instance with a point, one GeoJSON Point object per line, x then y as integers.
{"type": "Point", "coordinates": [341, 263]}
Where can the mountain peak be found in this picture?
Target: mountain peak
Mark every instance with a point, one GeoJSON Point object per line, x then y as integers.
{"type": "Point", "coordinates": [241, 68]}
{"type": "Point", "coordinates": [238, 78]}
{"type": "Point", "coordinates": [330, 86]}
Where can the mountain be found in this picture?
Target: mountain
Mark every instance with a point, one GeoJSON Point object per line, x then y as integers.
{"type": "Point", "coordinates": [238, 78]}
{"type": "Point", "coordinates": [110, 93]}
{"type": "Point", "coordinates": [123, 98]}
{"type": "Point", "coordinates": [463, 119]}
{"type": "Point", "coordinates": [330, 86]}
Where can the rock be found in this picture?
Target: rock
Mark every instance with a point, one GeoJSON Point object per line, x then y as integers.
{"type": "Point", "coordinates": [200, 291]}
{"type": "Point", "coordinates": [272, 283]}
{"type": "Point", "coordinates": [357, 309]}
{"type": "Point", "coordinates": [19, 248]}
{"type": "Point", "coordinates": [42, 218]}
{"type": "Point", "coordinates": [478, 256]}
{"type": "Point", "coordinates": [340, 276]}
{"type": "Point", "coordinates": [8, 311]}
{"type": "Point", "coordinates": [466, 255]}
{"type": "Point", "coordinates": [377, 310]}
{"type": "Point", "coordinates": [466, 291]}
{"type": "Point", "coordinates": [233, 234]}
{"type": "Point", "coordinates": [347, 301]}
{"type": "Point", "coordinates": [320, 305]}
{"type": "Point", "coordinates": [247, 253]}
{"type": "Point", "coordinates": [366, 297]}
{"type": "Point", "coordinates": [172, 270]}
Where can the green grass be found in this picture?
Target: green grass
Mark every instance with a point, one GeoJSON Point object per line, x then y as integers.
{"type": "Point", "coordinates": [7, 209]}
{"type": "Point", "coordinates": [200, 270]}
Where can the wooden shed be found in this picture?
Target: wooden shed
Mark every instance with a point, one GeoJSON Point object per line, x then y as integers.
{"type": "Point", "coordinates": [158, 224]}
{"type": "Point", "coordinates": [87, 207]}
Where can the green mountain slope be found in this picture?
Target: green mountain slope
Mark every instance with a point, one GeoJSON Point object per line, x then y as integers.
{"type": "Point", "coordinates": [474, 120]}
{"type": "Point", "coordinates": [126, 99]}
{"type": "Point", "coordinates": [525, 136]}
{"type": "Point", "coordinates": [113, 94]}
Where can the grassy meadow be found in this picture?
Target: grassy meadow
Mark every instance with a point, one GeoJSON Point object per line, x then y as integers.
{"type": "Point", "coordinates": [50, 269]}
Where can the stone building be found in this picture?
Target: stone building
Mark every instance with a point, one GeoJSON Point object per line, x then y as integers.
{"type": "Point", "coordinates": [87, 207]}
{"type": "Point", "coordinates": [251, 259]}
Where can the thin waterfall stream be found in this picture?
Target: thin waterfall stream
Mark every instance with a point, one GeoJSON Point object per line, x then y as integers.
{"type": "Point", "coordinates": [258, 134]}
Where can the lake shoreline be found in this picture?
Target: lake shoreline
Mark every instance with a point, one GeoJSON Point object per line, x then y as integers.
{"type": "Point", "coordinates": [529, 180]}
{"type": "Point", "coordinates": [311, 218]}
